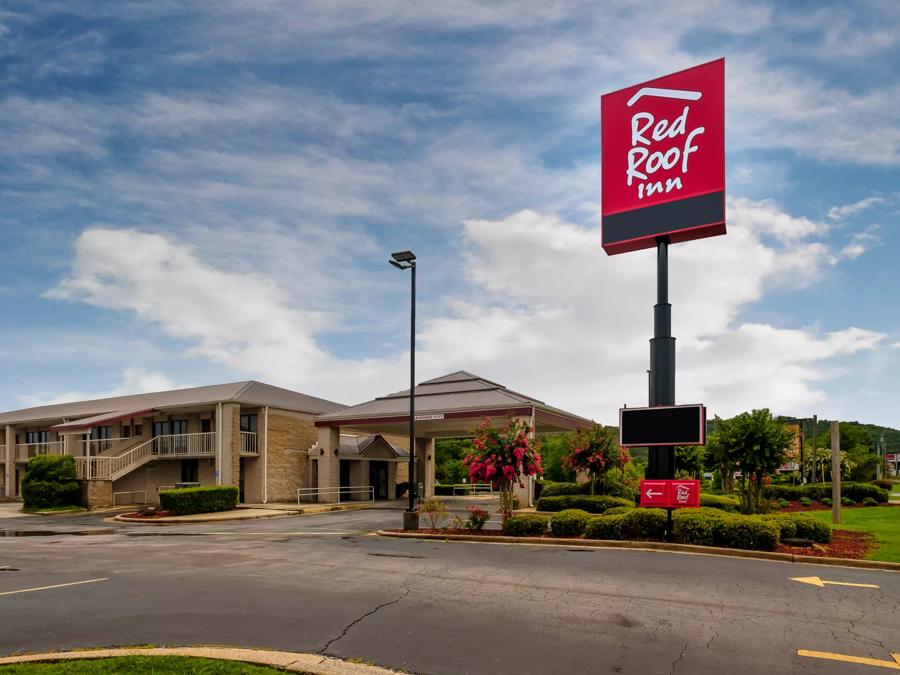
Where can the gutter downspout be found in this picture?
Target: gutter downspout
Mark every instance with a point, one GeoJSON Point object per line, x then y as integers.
{"type": "Point", "coordinates": [266, 455]}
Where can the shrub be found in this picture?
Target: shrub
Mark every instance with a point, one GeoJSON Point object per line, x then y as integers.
{"type": "Point", "coordinates": [806, 501]}
{"type": "Point", "coordinates": [783, 503]}
{"type": "Point", "coordinates": [596, 504]}
{"type": "Point", "coordinates": [615, 488]}
{"type": "Point", "coordinates": [846, 501]}
{"type": "Point", "coordinates": [50, 481]}
{"type": "Point", "coordinates": [712, 527]}
{"type": "Point", "coordinates": [644, 524]}
{"type": "Point", "coordinates": [618, 510]}
{"type": "Point", "coordinates": [810, 528]}
{"type": "Point", "coordinates": [883, 484]}
{"type": "Point", "coordinates": [787, 526]}
{"type": "Point", "coordinates": [605, 527]}
{"type": "Point", "coordinates": [569, 523]}
{"type": "Point", "coordinates": [870, 501]}
{"type": "Point", "coordinates": [855, 491]}
{"type": "Point", "coordinates": [208, 499]}
{"type": "Point", "coordinates": [551, 489]}
{"type": "Point", "coordinates": [433, 511]}
{"type": "Point", "coordinates": [789, 492]}
{"type": "Point", "coordinates": [525, 525]}
{"type": "Point", "coordinates": [717, 502]}
{"type": "Point", "coordinates": [826, 501]}
{"type": "Point", "coordinates": [477, 518]}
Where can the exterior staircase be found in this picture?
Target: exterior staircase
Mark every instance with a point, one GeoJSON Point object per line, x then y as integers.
{"type": "Point", "coordinates": [113, 466]}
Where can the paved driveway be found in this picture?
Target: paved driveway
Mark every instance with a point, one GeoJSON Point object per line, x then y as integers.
{"type": "Point", "coordinates": [324, 584]}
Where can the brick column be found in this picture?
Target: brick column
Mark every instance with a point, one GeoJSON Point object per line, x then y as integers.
{"type": "Point", "coordinates": [425, 460]}
{"type": "Point", "coordinates": [329, 464]}
{"type": "Point", "coordinates": [9, 470]}
{"type": "Point", "coordinates": [228, 461]}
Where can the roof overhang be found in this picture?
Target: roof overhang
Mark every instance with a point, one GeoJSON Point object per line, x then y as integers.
{"type": "Point", "coordinates": [458, 423]}
{"type": "Point", "coordinates": [103, 419]}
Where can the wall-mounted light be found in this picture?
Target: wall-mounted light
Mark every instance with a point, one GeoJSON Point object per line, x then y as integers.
{"type": "Point", "coordinates": [335, 452]}
{"type": "Point", "coordinates": [321, 451]}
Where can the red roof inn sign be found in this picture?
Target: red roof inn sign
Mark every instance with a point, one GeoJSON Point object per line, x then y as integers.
{"type": "Point", "coordinates": [663, 159]}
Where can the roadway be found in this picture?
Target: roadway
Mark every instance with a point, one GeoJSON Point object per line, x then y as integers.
{"type": "Point", "coordinates": [324, 583]}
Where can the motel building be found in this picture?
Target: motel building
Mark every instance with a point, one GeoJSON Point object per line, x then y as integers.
{"type": "Point", "coordinates": [276, 445]}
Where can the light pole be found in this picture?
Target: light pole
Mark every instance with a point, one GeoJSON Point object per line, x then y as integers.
{"type": "Point", "coordinates": [406, 260]}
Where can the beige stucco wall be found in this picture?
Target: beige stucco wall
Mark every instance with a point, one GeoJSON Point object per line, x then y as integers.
{"type": "Point", "coordinates": [96, 494]}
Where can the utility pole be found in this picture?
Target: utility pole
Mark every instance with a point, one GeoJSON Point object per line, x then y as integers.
{"type": "Point", "coordinates": [836, 472]}
{"type": "Point", "coordinates": [815, 448]}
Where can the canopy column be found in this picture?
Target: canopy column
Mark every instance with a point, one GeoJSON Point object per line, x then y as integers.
{"type": "Point", "coordinates": [329, 467]}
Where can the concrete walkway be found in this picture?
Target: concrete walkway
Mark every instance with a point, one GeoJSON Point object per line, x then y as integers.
{"type": "Point", "coordinates": [244, 512]}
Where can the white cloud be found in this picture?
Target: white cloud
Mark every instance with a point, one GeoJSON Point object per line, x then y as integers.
{"type": "Point", "coordinates": [547, 313]}
{"type": "Point", "coordinates": [841, 212]}
{"type": "Point", "coordinates": [132, 381]}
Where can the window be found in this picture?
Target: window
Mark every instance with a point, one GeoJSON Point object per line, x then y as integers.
{"type": "Point", "coordinates": [101, 433]}
{"type": "Point", "coordinates": [249, 423]}
{"type": "Point", "coordinates": [163, 428]}
{"type": "Point", "coordinates": [138, 429]}
{"type": "Point", "coordinates": [126, 431]}
{"type": "Point", "coordinates": [190, 470]}
{"type": "Point", "coordinates": [179, 426]}
{"type": "Point", "coordinates": [36, 437]}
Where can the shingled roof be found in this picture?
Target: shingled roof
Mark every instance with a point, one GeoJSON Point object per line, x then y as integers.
{"type": "Point", "coordinates": [248, 392]}
{"type": "Point", "coordinates": [449, 394]}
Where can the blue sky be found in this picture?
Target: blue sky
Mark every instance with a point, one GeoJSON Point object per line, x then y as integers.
{"type": "Point", "coordinates": [197, 193]}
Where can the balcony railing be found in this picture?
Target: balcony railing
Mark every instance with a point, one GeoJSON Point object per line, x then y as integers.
{"type": "Point", "coordinates": [248, 443]}
{"type": "Point", "coordinates": [97, 446]}
{"type": "Point", "coordinates": [185, 445]}
{"type": "Point", "coordinates": [25, 451]}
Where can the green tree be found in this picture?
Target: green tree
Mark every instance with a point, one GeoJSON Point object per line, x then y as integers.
{"type": "Point", "coordinates": [690, 458]}
{"type": "Point", "coordinates": [554, 447]}
{"type": "Point", "coordinates": [755, 444]}
{"type": "Point", "coordinates": [449, 453]}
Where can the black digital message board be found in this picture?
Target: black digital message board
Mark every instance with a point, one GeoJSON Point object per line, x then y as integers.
{"type": "Point", "coordinates": [662, 425]}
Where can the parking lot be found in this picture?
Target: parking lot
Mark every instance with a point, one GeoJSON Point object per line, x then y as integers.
{"type": "Point", "coordinates": [325, 583]}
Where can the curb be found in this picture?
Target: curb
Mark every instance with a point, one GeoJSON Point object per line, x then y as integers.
{"type": "Point", "coordinates": [187, 520]}
{"type": "Point", "coordinates": [654, 546]}
{"type": "Point", "coordinates": [289, 661]}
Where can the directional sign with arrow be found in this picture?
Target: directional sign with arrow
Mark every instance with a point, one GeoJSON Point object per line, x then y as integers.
{"type": "Point", "coordinates": [816, 581]}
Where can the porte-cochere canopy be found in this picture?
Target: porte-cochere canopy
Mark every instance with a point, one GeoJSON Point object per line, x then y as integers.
{"type": "Point", "coordinates": [451, 407]}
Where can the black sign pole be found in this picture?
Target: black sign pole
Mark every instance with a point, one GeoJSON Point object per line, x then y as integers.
{"type": "Point", "coordinates": [661, 459]}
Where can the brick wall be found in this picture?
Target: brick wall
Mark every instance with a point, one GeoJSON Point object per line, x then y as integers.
{"type": "Point", "coordinates": [290, 436]}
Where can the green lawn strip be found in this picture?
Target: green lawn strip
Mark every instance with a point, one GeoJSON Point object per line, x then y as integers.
{"type": "Point", "coordinates": [883, 522]}
{"type": "Point", "coordinates": [157, 665]}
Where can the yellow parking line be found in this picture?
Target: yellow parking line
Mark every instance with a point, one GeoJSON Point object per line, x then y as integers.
{"type": "Point", "coordinates": [846, 658]}
{"type": "Point", "coordinates": [46, 588]}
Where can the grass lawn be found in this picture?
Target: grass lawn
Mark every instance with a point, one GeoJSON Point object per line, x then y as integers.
{"type": "Point", "coordinates": [158, 665]}
{"type": "Point", "coordinates": [882, 521]}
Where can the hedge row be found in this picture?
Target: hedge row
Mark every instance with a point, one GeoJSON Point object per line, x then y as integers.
{"type": "Point", "coordinates": [569, 523]}
{"type": "Point", "coordinates": [633, 524]}
{"type": "Point", "coordinates": [714, 527]}
{"type": "Point", "coordinates": [608, 487]}
{"type": "Point", "coordinates": [597, 504]}
{"type": "Point", "coordinates": [525, 525]}
{"type": "Point", "coordinates": [208, 499]}
{"type": "Point", "coordinates": [818, 491]}
{"type": "Point", "coordinates": [800, 526]}
{"type": "Point", "coordinates": [717, 502]}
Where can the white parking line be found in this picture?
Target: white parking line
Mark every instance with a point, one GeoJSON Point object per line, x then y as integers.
{"type": "Point", "coordinates": [46, 588]}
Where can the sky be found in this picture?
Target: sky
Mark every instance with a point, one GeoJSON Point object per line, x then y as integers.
{"type": "Point", "coordinates": [194, 193]}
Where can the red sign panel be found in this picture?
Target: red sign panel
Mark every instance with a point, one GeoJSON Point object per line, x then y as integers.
{"type": "Point", "coordinates": [892, 457]}
{"type": "Point", "coordinates": [663, 157]}
{"type": "Point", "coordinates": [670, 494]}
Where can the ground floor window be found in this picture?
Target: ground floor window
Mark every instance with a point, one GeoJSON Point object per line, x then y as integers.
{"type": "Point", "coordinates": [190, 471]}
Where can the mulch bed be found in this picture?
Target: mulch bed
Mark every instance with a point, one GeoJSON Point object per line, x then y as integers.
{"type": "Point", "coordinates": [156, 514]}
{"type": "Point", "coordinates": [844, 544]}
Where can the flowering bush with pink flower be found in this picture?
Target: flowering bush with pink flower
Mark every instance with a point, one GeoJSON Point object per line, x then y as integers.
{"type": "Point", "coordinates": [503, 457]}
{"type": "Point", "coordinates": [595, 452]}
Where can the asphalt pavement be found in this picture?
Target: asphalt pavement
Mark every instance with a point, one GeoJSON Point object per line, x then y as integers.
{"type": "Point", "coordinates": [324, 583]}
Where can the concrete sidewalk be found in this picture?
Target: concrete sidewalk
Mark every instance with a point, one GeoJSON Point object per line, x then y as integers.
{"type": "Point", "coordinates": [244, 512]}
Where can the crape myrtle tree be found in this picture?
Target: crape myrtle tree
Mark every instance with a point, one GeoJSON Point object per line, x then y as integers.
{"type": "Point", "coordinates": [595, 452]}
{"type": "Point", "coordinates": [503, 457]}
{"type": "Point", "coordinates": [753, 443]}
